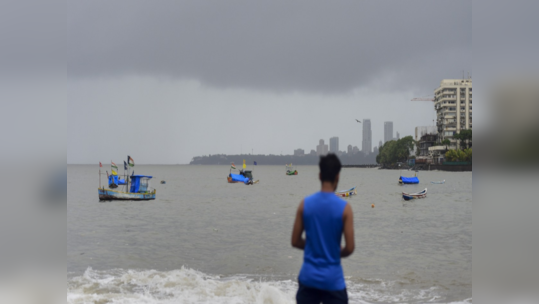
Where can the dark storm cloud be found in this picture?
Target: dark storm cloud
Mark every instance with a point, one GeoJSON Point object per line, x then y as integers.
{"type": "Point", "coordinates": [276, 45]}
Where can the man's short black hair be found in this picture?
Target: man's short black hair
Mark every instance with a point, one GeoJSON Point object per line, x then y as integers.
{"type": "Point", "coordinates": [330, 166]}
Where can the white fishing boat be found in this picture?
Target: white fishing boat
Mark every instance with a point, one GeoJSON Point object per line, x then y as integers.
{"type": "Point", "coordinates": [411, 196]}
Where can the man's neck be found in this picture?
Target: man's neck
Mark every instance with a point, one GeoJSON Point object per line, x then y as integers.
{"type": "Point", "coordinates": [328, 187]}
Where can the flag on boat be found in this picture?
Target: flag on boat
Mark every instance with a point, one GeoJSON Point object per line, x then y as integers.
{"type": "Point", "coordinates": [255, 163]}
{"type": "Point", "coordinates": [113, 165]}
{"type": "Point", "coordinates": [130, 161]}
{"type": "Point", "coordinates": [244, 166]}
{"type": "Point", "coordinates": [233, 166]}
{"type": "Point", "coordinates": [125, 165]}
{"type": "Point", "coordinates": [100, 165]}
{"type": "Point", "coordinates": [113, 172]}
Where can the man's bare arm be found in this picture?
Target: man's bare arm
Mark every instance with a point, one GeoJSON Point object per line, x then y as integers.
{"type": "Point", "coordinates": [297, 240]}
{"type": "Point", "coordinates": [348, 230]}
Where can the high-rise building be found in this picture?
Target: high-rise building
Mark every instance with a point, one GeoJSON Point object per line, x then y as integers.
{"type": "Point", "coordinates": [453, 105]}
{"type": "Point", "coordinates": [334, 144]}
{"type": "Point", "coordinates": [349, 149]}
{"type": "Point", "coordinates": [375, 150]}
{"type": "Point", "coordinates": [299, 152]}
{"type": "Point", "coordinates": [355, 150]}
{"type": "Point", "coordinates": [321, 149]}
{"type": "Point", "coordinates": [366, 144]}
{"type": "Point", "coordinates": [388, 131]}
{"type": "Point", "coordinates": [398, 136]}
{"type": "Point", "coordinates": [380, 144]}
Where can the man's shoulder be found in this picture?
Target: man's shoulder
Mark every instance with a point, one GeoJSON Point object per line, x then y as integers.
{"type": "Point", "coordinates": [341, 201]}
{"type": "Point", "coordinates": [317, 196]}
{"type": "Point", "coordinates": [311, 197]}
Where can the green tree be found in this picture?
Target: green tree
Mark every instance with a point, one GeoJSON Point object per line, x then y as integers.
{"type": "Point", "coordinates": [461, 156]}
{"type": "Point", "coordinates": [395, 151]}
{"type": "Point", "coordinates": [451, 155]}
{"type": "Point", "coordinates": [468, 154]}
{"type": "Point", "coordinates": [464, 136]}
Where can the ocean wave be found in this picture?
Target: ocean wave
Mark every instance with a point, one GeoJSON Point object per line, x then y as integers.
{"type": "Point", "coordinates": [186, 285]}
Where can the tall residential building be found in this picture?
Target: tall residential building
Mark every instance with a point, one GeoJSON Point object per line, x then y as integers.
{"type": "Point", "coordinates": [334, 144]}
{"type": "Point", "coordinates": [299, 152]}
{"type": "Point", "coordinates": [453, 105]}
{"type": "Point", "coordinates": [321, 149]}
{"type": "Point", "coordinates": [380, 144]}
{"type": "Point", "coordinates": [366, 144]}
{"type": "Point", "coordinates": [398, 136]}
{"type": "Point", "coordinates": [349, 150]}
{"type": "Point", "coordinates": [388, 131]}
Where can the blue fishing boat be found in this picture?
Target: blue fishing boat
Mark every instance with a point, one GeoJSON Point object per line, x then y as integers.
{"type": "Point", "coordinates": [244, 176]}
{"type": "Point", "coordinates": [408, 180]}
{"type": "Point", "coordinates": [135, 187]}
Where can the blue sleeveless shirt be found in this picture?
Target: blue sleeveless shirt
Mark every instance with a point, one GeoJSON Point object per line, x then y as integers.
{"type": "Point", "coordinates": [322, 219]}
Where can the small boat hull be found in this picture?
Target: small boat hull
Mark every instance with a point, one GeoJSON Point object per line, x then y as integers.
{"type": "Point", "coordinates": [292, 173]}
{"type": "Point", "coordinates": [411, 196]}
{"type": "Point", "coordinates": [113, 195]}
{"type": "Point", "coordinates": [231, 181]}
{"type": "Point", "coordinates": [440, 182]}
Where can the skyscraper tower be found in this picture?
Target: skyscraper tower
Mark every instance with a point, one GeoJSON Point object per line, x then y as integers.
{"type": "Point", "coordinates": [388, 131]}
{"type": "Point", "coordinates": [334, 144]}
{"type": "Point", "coordinates": [366, 144]}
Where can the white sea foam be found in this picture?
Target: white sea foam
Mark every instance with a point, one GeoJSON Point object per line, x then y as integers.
{"type": "Point", "coordinates": [190, 286]}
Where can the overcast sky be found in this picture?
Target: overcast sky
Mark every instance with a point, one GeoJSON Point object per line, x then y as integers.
{"type": "Point", "coordinates": [166, 81]}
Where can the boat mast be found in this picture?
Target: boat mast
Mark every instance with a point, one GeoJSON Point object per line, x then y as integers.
{"type": "Point", "coordinates": [127, 177]}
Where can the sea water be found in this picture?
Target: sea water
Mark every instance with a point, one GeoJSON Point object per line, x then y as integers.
{"type": "Point", "coordinates": [206, 241]}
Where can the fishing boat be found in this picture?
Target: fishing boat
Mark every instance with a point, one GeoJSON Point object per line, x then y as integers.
{"type": "Point", "coordinates": [439, 182]}
{"type": "Point", "coordinates": [346, 193]}
{"type": "Point", "coordinates": [243, 176]}
{"type": "Point", "coordinates": [411, 196]}
{"type": "Point", "coordinates": [132, 187]}
{"type": "Point", "coordinates": [291, 170]}
{"type": "Point", "coordinates": [408, 180]}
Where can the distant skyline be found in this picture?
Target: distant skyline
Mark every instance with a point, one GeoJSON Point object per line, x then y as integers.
{"type": "Point", "coordinates": [167, 81]}
{"type": "Point", "coordinates": [388, 131]}
{"type": "Point", "coordinates": [366, 142]}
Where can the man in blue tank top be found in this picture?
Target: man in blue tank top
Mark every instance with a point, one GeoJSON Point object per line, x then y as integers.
{"type": "Point", "coordinates": [325, 218]}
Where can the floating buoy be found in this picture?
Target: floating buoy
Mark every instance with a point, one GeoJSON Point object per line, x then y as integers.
{"type": "Point", "coordinates": [372, 205]}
